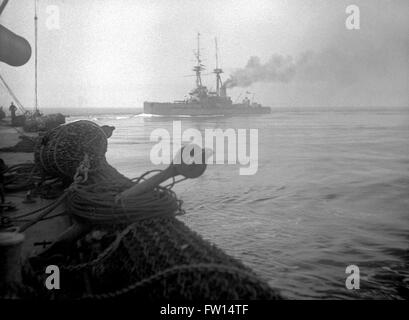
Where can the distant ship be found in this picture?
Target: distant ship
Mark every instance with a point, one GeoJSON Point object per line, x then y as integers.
{"type": "Point", "coordinates": [202, 102]}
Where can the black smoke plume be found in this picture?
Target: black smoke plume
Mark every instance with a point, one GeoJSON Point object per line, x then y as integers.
{"type": "Point", "coordinates": [277, 69]}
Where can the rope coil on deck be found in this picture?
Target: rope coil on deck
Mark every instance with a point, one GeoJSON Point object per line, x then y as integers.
{"type": "Point", "coordinates": [95, 203]}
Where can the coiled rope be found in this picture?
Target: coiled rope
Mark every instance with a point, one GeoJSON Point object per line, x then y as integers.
{"type": "Point", "coordinates": [93, 200]}
{"type": "Point", "coordinates": [96, 203]}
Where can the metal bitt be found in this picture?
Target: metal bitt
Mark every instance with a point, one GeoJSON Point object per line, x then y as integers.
{"type": "Point", "coordinates": [188, 171]}
{"type": "Point", "coordinates": [10, 264]}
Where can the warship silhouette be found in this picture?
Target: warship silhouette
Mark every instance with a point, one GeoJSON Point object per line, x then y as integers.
{"type": "Point", "coordinates": [202, 102]}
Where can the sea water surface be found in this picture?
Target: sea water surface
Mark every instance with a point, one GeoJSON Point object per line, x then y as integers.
{"type": "Point", "coordinates": [331, 190]}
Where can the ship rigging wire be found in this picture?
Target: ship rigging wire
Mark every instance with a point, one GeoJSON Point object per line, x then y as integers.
{"type": "Point", "coordinates": [3, 6]}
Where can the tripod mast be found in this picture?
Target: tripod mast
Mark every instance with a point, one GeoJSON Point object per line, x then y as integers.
{"type": "Point", "coordinates": [217, 71]}
{"type": "Point", "coordinates": [199, 66]}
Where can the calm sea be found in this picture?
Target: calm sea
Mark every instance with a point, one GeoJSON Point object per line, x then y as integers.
{"type": "Point", "coordinates": [332, 190]}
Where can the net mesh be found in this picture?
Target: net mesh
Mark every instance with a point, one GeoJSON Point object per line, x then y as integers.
{"type": "Point", "coordinates": [158, 258]}
{"type": "Point", "coordinates": [61, 150]}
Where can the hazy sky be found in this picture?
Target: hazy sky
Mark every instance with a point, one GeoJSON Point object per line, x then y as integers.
{"type": "Point", "coordinates": [122, 52]}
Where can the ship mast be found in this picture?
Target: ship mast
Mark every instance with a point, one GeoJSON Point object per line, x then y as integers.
{"type": "Point", "coordinates": [199, 67]}
{"type": "Point", "coordinates": [217, 71]}
{"type": "Point", "coordinates": [35, 56]}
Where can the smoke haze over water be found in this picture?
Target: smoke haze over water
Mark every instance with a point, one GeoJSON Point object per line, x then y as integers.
{"type": "Point", "coordinates": [278, 68]}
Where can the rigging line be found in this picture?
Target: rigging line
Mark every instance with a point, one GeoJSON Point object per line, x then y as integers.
{"type": "Point", "coordinates": [3, 5]}
{"type": "Point", "coordinates": [22, 109]}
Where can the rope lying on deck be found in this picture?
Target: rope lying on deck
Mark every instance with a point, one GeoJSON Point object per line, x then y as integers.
{"type": "Point", "coordinates": [95, 203]}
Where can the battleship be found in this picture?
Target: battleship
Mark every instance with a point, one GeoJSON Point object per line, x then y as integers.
{"type": "Point", "coordinates": [203, 102]}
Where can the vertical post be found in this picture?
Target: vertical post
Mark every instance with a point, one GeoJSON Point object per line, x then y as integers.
{"type": "Point", "coordinates": [35, 55]}
{"type": "Point", "coordinates": [217, 70]}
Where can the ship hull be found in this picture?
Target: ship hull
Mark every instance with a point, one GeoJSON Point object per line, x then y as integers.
{"type": "Point", "coordinates": [193, 109]}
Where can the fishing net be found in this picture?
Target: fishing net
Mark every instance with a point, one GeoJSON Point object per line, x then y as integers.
{"type": "Point", "coordinates": [139, 250]}
{"type": "Point", "coordinates": [159, 258]}
{"type": "Point", "coordinates": [61, 150]}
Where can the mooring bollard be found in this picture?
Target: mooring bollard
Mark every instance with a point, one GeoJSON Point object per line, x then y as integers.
{"type": "Point", "coordinates": [10, 260]}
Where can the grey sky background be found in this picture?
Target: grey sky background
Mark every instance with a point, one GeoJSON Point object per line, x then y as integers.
{"type": "Point", "coordinates": [119, 53]}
